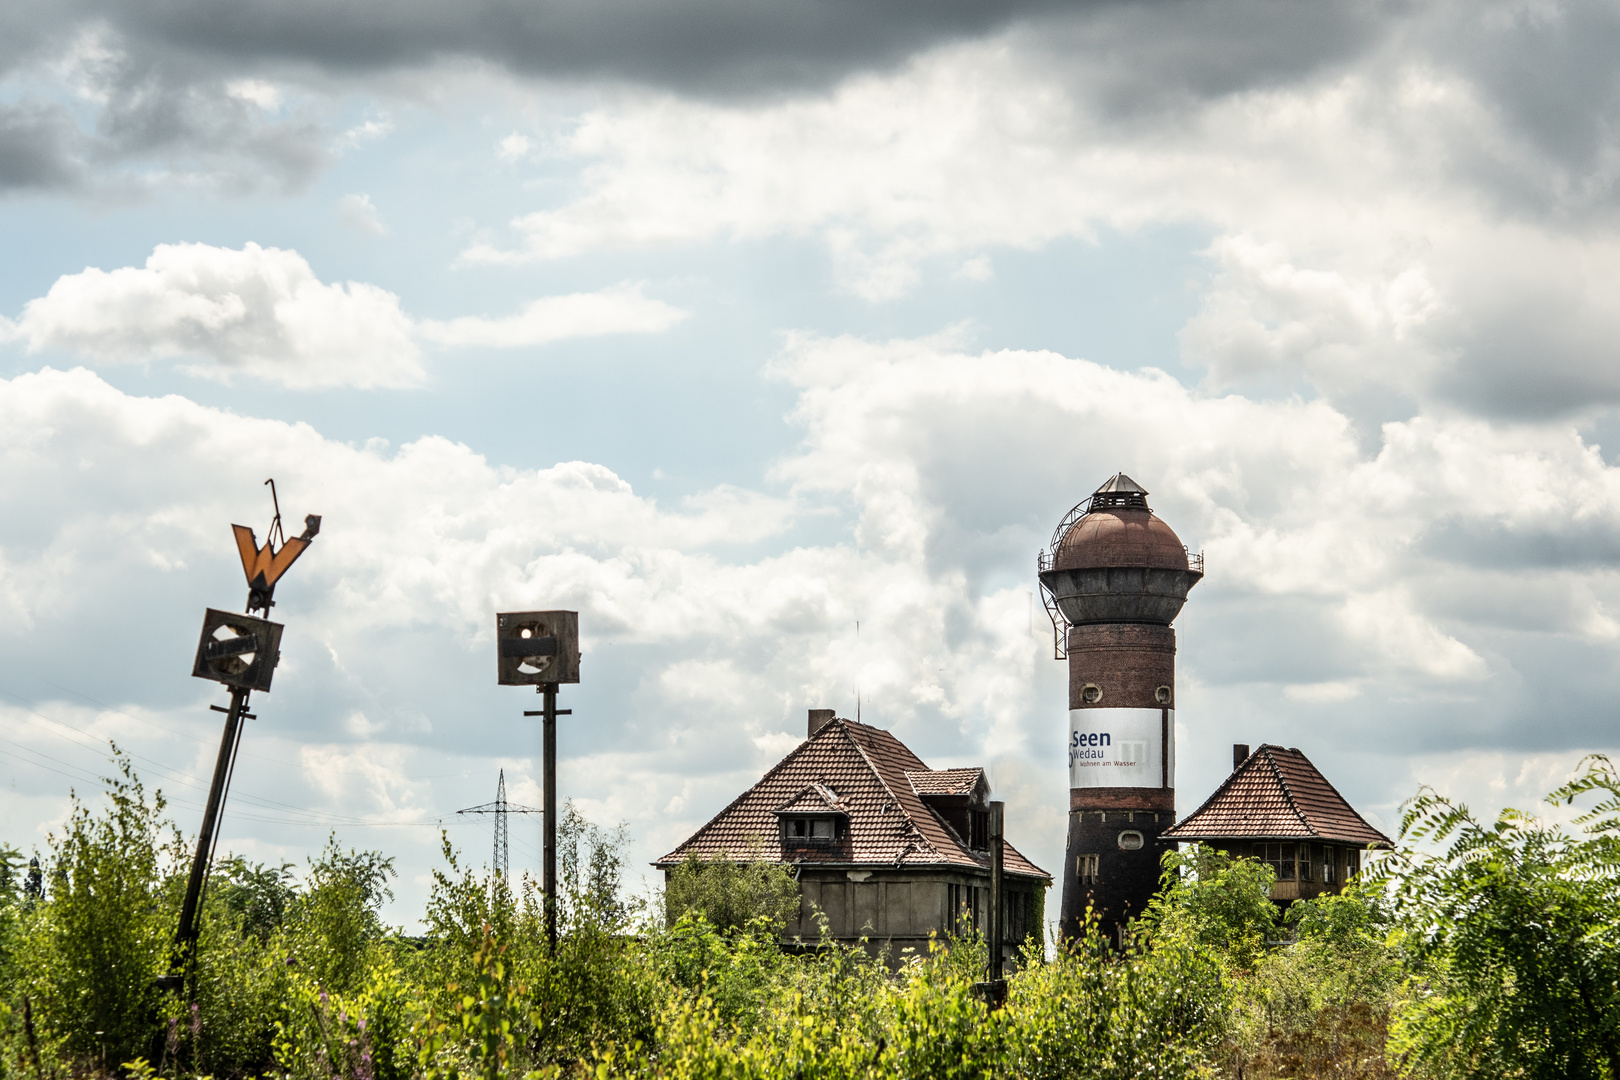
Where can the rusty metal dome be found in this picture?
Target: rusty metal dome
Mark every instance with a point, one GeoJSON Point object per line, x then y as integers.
{"type": "Point", "coordinates": [1112, 560]}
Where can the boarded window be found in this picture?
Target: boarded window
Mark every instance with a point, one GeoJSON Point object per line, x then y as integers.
{"type": "Point", "coordinates": [1086, 867]}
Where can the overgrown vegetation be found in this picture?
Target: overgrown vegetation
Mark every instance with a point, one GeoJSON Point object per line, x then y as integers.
{"type": "Point", "coordinates": [1477, 950]}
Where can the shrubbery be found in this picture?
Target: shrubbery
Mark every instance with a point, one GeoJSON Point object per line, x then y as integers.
{"type": "Point", "coordinates": [1494, 956]}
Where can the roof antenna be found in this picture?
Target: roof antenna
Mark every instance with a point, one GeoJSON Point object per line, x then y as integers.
{"type": "Point", "coordinates": [857, 677]}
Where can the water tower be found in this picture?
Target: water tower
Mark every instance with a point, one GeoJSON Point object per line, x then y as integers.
{"type": "Point", "coordinates": [1114, 579]}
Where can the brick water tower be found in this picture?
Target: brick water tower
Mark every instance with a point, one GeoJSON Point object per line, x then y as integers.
{"type": "Point", "coordinates": [1114, 578]}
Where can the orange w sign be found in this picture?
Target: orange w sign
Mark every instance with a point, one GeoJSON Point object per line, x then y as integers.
{"type": "Point", "coordinates": [263, 566]}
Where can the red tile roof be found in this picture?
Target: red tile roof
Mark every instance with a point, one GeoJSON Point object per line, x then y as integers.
{"type": "Point", "coordinates": [1276, 794]}
{"type": "Point", "coordinates": [945, 781]}
{"type": "Point", "coordinates": [814, 799]}
{"type": "Point", "coordinates": [868, 770]}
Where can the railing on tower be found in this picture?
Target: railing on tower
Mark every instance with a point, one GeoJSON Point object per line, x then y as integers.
{"type": "Point", "coordinates": [1046, 560]}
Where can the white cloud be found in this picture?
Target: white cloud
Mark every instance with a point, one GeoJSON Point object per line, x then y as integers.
{"type": "Point", "coordinates": [262, 312]}
{"type": "Point", "coordinates": [258, 311]}
{"type": "Point", "coordinates": [977, 268]}
{"type": "Point", "coordinates": [1379, 229]}
{"type": "Point", "coordinates": [621, 309]}
{"type": "Point", "coordinates": [359, 213]}
{"type": "Point", "coordinates": [263, 94]}
{"type": "Point", "coordinates": [514, 146]}
{"type": "Point", "coordinates": [1345, 609]}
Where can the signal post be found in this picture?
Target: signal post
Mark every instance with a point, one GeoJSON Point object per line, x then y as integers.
{"type": "Point", "coordinates": [541, 649]}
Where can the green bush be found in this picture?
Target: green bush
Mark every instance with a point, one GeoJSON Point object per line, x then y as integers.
{"type": "Point", "coordinates": [1514, 925]}
{"type": "Point", "coordinates": [1491, 954]}
{"type": "Point", "coordinates": [732, 893]}
{"type": "Point", "coordinates": [88, 958]}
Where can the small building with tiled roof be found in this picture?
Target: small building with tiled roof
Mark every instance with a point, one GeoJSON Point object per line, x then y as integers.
{"type": "Point", "coordinates": [1278, 807]}
{"type": "Point", "coordinates": [887, 848]}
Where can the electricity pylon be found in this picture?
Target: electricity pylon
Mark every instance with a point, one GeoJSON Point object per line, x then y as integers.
{"type": "Point", "coordinates": [500, 808]}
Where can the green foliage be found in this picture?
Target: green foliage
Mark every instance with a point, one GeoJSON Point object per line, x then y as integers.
{"type": "Point", "coordinates": [89, 959]}
{"type": "Point", "coordinates": [1094, 1013]}
{"type": "Point", "coordinates": [334, 926]}
{"type": "Point", "coordinates": [238, 989]}
{"type": "Point", "coordinates": [258, 896]}
{"type": "Point", "coordinates": [1212, 900]}
{"type": "Point", "coordinates": [1322, 1005]}
{"type": "Point", "coordinates": [732, 894]}
{"type": "Point", "coordinates": [480, 1023]}
{"type": "Point", "coordinates": [1493, 954]}
{"type": "Point", "coordinates": [1515, 924]}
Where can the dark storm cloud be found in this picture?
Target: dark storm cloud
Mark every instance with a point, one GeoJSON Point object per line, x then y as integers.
{"type": "Point", "coordinates": [38, 148]}
{"type": "Point", "coordinates": [1551, 71]}
{"type": "Point", "coordinates": [1133, 60]}
{"type": "Point", "coordinates": [1550, 77]}
{"type": "Point", "coordinates": [1556, 544]}
{"type": "Point", "coordinates": [157, 115]}
{"type": "Point", "coordinates": [715, 46]}
{"type": "Point", "coordinates": [1135, 54]}
{"type": "Point", "coordinates": [156, 112]}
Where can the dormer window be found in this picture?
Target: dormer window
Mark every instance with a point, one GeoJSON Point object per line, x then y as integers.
{"type": "Point", "coordinates": [815, 815]}
{"type": "Point", "coordinates": [980, 829]}
{"type": "Point", "coordinates": [818, 829]}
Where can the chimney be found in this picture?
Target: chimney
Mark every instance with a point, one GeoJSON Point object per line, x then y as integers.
{"type": "Point", "coordinates": [820, 718]}
{"type": "Point", "coordinates": [1240, 753]}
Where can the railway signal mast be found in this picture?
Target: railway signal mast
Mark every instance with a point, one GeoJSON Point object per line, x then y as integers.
{"type": "Point", "coordinates": [240, 651]}
{"type": "Point", "coordinates": [541, 649]}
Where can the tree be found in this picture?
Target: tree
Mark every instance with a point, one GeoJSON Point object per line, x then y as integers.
{"type": "Point", "coordinates": [93, 951]}
{"type": "Point", "coordinates": [733, 893]}
{"type": "Point", "coordinates": [1210, 898]}
{"type": "Point", "coordinates": [337, 920]}
{"type": "Point", "coordinates": [1515, 923]}
{"type": "Point", "coordinates": [256, 894]}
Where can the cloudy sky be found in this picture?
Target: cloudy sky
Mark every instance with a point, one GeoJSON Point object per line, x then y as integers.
{"type": "Point", "coordinates": [735, 323]}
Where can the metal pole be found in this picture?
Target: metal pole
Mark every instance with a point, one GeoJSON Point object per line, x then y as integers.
{"type": "Point", "coordinates": [186, 938]}
{"type": "Point", "coordinates": [548, 866]}
{"type": "Point", "coordinates": [997, 897]}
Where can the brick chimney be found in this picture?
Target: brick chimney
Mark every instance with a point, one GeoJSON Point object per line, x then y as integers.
{"type": "Point", "coordinates": [820, 718]}
{"type": "Point", "coordinates": [1240, 754]}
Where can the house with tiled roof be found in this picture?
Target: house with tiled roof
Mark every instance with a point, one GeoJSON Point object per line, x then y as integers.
{"type": "Point", "coordinates": [1278, 807]}
{"type": "Point", "coordinates": [886, 848]}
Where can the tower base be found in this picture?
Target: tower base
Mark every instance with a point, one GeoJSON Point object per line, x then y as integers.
{"type": "Point", "coordinates": [1111, 866]}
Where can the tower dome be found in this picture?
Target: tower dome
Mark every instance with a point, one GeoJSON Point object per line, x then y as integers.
{"type": "Point", "coordinates": [1112, 560]}
{"type": "Point", "coordinates": [1117, 529]}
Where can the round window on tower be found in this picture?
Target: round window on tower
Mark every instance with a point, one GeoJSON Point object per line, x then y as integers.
{"type": "Point", "coordinates": [1091, 693]}
{"type": "Point", "coordinates": [1130, 840]}
{"type": "Point", "coordinates": [1162, 695]}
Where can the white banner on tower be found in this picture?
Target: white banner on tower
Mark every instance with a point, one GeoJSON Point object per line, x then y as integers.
{"type": "Point", "coordinates": [1122, 748]}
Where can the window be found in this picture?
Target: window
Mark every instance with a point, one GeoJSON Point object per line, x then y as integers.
{"type": "Point", "coordinates": [1352, 863]}
{"type": "Point", "coordinates": [816, 828]}
{"type": "Point", "coordinates": [1280, 857]}
{"type": "Point", "coordinates": [979, 828]}
{"type": "Point", "coordinates": [1307, 862]}
{"type": "Point", "coordinates": [1330, 860]}
{"type": "Point", "coordinates": [962, 902]}
{"type": "Point", "coordinates": [1085, 868]}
